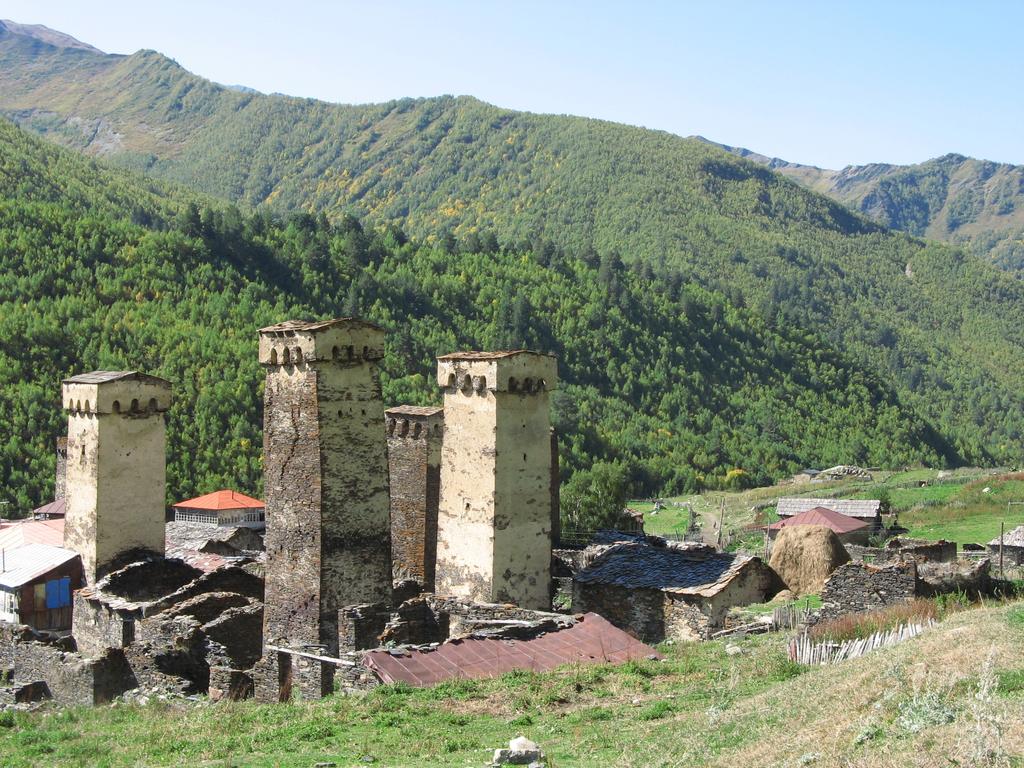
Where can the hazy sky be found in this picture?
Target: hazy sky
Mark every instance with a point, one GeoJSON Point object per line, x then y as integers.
{"type": "Point", "coordinates": [829, 83]}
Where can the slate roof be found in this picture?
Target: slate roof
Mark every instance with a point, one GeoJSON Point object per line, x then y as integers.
{"type": "Point", "coordinates": [496, 355]}
{"type": "Point", "coordinates": [21, 533]}
{"type": "Point", "coordinates": [1014, 538]}
{"type": "Point", "coordinates": [312, 326]}
{"type": "Point", "coordinates": [102, 377]}
{"type": "Point", "coordinates": [24, 564]}
{"type": "Point", "coordinates": [822, 516]}
{"type": "Point", "coordinates": [591, 640]}
{"type": "Point", "coordinates": [414, 410]}
{"type": "Point", "coordinates": [198, 536]}
{"type": "Point", "coordinates": [689, 570]}
{"type": "Point", "coordinates": [222, 500]}
{"type": "Point", "coordinates": [862, 508]}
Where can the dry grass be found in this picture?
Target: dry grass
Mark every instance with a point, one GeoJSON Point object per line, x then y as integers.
{"type": "Point", "coordinates": [859, 625]}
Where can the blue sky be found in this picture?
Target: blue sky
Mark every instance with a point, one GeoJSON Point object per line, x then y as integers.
{"type": "Point", "coordinates": [828, 83]}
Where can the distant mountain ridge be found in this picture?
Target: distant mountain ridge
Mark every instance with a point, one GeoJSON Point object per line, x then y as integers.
{"type": "Point", "coordinates": [945, 330]}
{"type": "Point", "coordinates": [953, 198]}
{"type": "Point", "coordinates": [45, 35]}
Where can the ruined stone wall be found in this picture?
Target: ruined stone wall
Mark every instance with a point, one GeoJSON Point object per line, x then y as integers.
{"type": "Point", "coordinates": [96, 626]}
{"type": "Point", "coordinates": [115, 487]}
{"type": "Point", "coordinates": [688, 618]}
{"type": "Point", "coordinates": [641, 612]}
{"type": "Point", "coordinates": [71, 679]}
{"type": "Point", "coordinates": [859, 587]}
{"type": "Point", "coordinates": [414, 438]}
{"type": "Point", "coordinates": [495, 517]}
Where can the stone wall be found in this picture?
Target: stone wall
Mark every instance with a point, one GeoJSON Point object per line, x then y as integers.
{"type": "Point", "coordinates": [97, 626]}
{"type": "Point", "coordinates": [641, 612]}
{"type": "Point", "coordinates": [71, 679]}
{"type": "Point", "coordinates": [414, 466]}
{"type": "Point", "coordinates": [61, 474]}
{"type": "Point", "coordinates": [859, 587]}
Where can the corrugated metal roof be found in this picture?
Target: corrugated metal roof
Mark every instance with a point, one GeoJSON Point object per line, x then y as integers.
{"type": "Point", "coordinates": [20, 533]}
{"type": "Point", "coordinates": [592, 640]}
{"type": "Point", "coordinates": [24, 564]}
{"type": "Point", "coordinates": [219, 500]}
{"type": "Point", "coordinates": [822, 516]}
{"type": "Point", "coordinates": [56, 508]}
{"type": "Point", "coordinates": [851, 507]}
{"type": "Point", "coordinates": [695, 570]}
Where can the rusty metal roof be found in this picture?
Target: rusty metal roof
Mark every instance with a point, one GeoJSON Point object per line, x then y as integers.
{"type": "Point", "coordinates": [864, 508]}
{"type": "Point", "coordinates": [592, 640]}
{"type": "Point", "coordinates": [22, 565]}
{"type": "Point", "coordinates": [291, 326]}
{"type": "Point", "coordinates": [822, 516]}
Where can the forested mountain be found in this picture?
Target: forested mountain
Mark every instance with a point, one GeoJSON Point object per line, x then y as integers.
{"type": "Point", "coordinates": [709, 314]}
{"type": "Point", "coordinates": [976, 203]}
{"type": "Point", "coordinates": [674, 381]}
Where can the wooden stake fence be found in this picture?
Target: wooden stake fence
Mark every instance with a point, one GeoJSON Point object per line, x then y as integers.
{"type": "Point", "coordinates": [803, 650]}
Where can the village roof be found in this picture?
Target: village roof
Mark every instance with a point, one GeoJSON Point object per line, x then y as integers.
{"type": "Point", "coordinates": [822, 516]}
{"type": "Point", "coordinates": [102, 377]}
{"type": "Point", "coordinates": [591, 640]}
{"type": "Point", "coordinates": [20, 533]}
{"type": "Point", "coordinates": [292, 326]}
{"type": "Point", "coordinates": [56, 508]}
{"type": "Point", "coordinates": [200, 536]}
{"type": "Point", "coordinates": [24, 564]}
{"type": "Point", "coordinates": [863, 508]}
{"type": "Point", "coordinates": [219, 500]}
{"type": "Point", "coordinates": [415, 410]}
{"type": "Point", "coordinates": [685, 570]}
{"type": "Point", "coordinates": [477, 355]}
{"type": "Point", "coordinates": [1014, 538]}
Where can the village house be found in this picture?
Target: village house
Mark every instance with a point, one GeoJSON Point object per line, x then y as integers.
{"type": "Point", "coordinates": [226, 508]}
{"type": "Point", "coordinates": [865, 510]}
{"type": "Point", "coordinates": [849, 530]}
{"type": "Point", "coordinates": [658, 590]}
{"type": "Point", "coordinates": [1012, 545]}
{"type": "Point", "coordinates": [36, 582]}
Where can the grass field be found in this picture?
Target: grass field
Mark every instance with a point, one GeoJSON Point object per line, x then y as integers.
{"type": "Point", "coordinates": [954, 506]}
{"type": "Point", "coordinates": [953, 696]}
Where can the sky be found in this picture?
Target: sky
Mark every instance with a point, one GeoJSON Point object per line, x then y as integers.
{"type": "Point", "coordinates": [828, 83]}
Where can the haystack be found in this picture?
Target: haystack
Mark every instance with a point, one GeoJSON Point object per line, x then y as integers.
{"type": "Point", "coordinates": [804, 556]}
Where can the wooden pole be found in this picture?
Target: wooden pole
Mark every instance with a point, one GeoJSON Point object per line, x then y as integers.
{"type": "Point", "coordinates": [1002, 532]}
{"type": "Point", "coordinates": [721, 522]}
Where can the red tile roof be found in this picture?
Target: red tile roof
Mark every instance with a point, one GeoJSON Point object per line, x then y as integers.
{"type": "Point", "coordinates": [222, 500]}
{"type": "Point", "coordinates": [592, 640]}
{"type": "Point", "coordinates": [838, 522]}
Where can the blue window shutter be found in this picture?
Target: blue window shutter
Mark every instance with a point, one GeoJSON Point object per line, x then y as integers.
{"type": "Point", "coordinates": [65, 592]}
{"type": "Point", "coordinates": [53, 593]}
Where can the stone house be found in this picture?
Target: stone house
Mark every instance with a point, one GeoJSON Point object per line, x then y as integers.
{"type": "Point", "coordinates": [36, 582]}
{"type": "Point", "coordinates": [866, 510]}
{"type": "Point", "coordinates": [1012, 544]}
{"type": "Point", "coordinates": [657, 590]}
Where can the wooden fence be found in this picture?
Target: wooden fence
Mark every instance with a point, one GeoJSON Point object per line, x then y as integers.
{"type": "Point", "coordinates": [803, 650]}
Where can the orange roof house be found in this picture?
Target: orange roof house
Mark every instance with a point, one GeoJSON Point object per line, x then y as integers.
{"type": "Point", "coordinates": [222, 508]}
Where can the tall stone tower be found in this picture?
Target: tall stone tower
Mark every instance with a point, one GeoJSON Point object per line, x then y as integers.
{"type": "Point", "coordinates": [115, 486]}
{"type": "Point", "coordinates": [326, 483]}
{"type": "Point", "coordinates": [494, 521]}
{"type": "Point", "coordinates": [414, 469]}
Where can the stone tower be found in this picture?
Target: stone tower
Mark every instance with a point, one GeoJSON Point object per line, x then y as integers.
{"type": "Point", "coordinates": [414, 468]}
{"type": "Point", "coordinates": [115, 471]}
{"type": "Point", "coordinates": [494, 521]}
{"type": "Point", "coordinates": [326, 483]}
